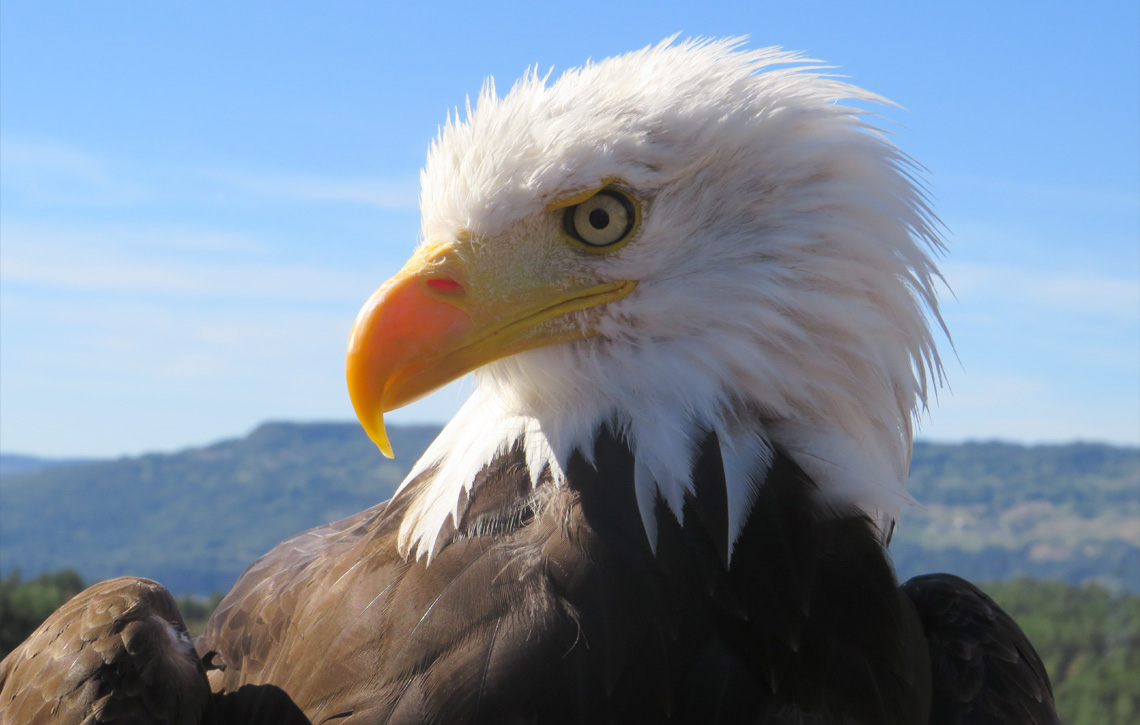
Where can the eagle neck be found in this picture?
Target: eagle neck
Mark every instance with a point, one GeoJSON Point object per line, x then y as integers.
{"type": "Point", "coordinates": [666, 449]}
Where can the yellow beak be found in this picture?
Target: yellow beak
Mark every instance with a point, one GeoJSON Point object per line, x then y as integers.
{"type": "Point", "coordinates": [427, 326]}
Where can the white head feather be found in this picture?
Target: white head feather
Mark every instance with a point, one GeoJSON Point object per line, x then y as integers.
{"type": "Point", "coordinates": [783, 268]}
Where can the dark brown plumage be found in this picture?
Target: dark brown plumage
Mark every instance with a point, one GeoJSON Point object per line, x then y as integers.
{"type": "Point", "coordinates": [116, 652]}
{"type": "Point", "coordinates": [984, 668]}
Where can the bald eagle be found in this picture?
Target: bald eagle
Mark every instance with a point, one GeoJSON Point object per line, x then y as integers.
{"type": "Point", "coordinates": [696, 291]}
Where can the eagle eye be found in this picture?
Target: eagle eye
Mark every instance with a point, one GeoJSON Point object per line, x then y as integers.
{"type": "Point", "coordinates": [603, 220]}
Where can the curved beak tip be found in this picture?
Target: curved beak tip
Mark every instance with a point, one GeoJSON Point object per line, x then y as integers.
{"type": "Point", "coordinates": [379, 435]}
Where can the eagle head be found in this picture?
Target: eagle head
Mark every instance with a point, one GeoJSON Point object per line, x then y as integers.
{"type": "Point", "coordinates": [686, 239]}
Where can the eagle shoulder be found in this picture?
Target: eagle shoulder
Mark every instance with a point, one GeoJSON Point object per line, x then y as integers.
{"type": "Point", "coordinates": [984, 668]}
{"type": "Point", "coordinates": [117, 651]}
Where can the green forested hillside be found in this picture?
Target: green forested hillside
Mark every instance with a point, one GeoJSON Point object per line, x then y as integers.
{"type": "Point", "coordinates": [26, 603]}
{"type": "Point", "coordinates": [995, 511]}
{"type": "Point", "coordinates": [1089, 640]}
{"type": "Point", "coordinates": [195, 519]}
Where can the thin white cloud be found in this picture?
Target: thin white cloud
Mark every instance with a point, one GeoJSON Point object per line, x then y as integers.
{"type": "Point", "coordinates": [133, 239]}
{"type": "Point", "coordinates": [104, 375]}
{"type": "Point", "coordinates": [1116, 297]}
{"type": "Point", "coordinates": [1048, 194]}
{"type": "Point", "coordinates": [376, 192]}
{"type": "Point", "coordinates": [1031, 408]}
{"type": "Point", "coordinates": [26, 153]}
{"type": "Point", "coordinates": [1046, 355]}
{"type": "Point", "coordinates": [981, 391]}
{"type": "Point", "coordinates": [47, 172]}
{"type": "Point", "coordinates": [125, 263]}
{"type": "Point", "coordinates": [42, 172]}
{"type": "Point", "coordinates": [261, 281]}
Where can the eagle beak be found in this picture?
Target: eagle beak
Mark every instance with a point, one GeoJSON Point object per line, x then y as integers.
{"type": "Point", "coordinates": [428, 325]}
{"type": "Point", "coordinates": [394, 340]}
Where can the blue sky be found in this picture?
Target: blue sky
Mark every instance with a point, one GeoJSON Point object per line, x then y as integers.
{"type": "Point", "coordinates": [195, 199]}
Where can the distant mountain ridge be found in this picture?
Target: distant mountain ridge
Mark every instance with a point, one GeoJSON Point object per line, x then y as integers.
{"type": "Point", "coordinates": [12, 463]}
{"type": "Point", "coordinates": [996, 510]}
{"type": "Point", "coordinates": [196, 518]}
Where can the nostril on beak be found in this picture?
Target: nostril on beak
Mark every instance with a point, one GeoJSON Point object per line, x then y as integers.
{"type": "Point", "coordinates": [444, 286]}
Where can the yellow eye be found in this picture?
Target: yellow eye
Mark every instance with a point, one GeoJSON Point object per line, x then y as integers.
{"type": "Point", "coordinates": [603, 220]}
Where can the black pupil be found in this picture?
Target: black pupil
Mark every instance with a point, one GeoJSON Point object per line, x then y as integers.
{"type": "Point", "coordinates": [599, 218]}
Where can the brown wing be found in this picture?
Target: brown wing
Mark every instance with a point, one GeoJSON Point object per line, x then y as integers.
{"type": "Point", "coordinates": [334, 621]}
{"type": "Point", "coordinates": [260, 640]}
{"type": "Point", "coordinates": [117, 652]}
{"type": "Point", "coordinates": [983, 667]}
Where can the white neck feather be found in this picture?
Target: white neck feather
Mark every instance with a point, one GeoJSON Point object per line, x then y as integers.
{"type": "Point", "coordinates": [663, 437]}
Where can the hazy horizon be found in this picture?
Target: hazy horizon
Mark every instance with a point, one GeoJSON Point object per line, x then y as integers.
{"type": "Point", "coordinates": [439, 424]}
